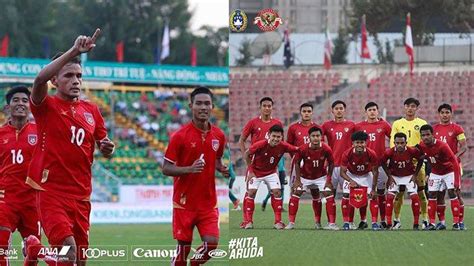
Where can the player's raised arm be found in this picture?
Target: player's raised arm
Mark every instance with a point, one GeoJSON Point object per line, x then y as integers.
{"type": "Point", "coordinates": [82, 44]}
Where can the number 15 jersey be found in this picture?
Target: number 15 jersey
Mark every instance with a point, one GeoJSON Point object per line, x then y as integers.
{"type": "Point", "coordinates": [67, 133]}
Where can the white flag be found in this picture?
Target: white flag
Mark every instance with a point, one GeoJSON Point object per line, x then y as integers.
{"type": "Point", "coordinates": [165, 43]}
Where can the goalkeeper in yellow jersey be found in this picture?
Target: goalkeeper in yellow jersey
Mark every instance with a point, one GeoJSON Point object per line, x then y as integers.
{"type": "Point", "coordinates": [410, 125]}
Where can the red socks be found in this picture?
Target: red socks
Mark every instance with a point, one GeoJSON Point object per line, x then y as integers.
{"type": "Point", "coordinates": [331, 209]}
{"type": "Point", "coordinates": [249, 207]}
{"type": "Point", "coordinates": [345, 209]}
{"type": "Point", "coordinates": [317, 208]}
{"type": "Point", "coordinates": [432, 206]}
{"type": "Point", "coordinates": [455, 206]}
{"type": "Point", "coordinates": [374, 210]}
{"type": "Point", "coordinates": [293, 208]}
{"type": "Point", "coordinates": [389, 207]}
{"type": "Point", "coordinates": [441, 210]}
{"type": "Point", "coordinates": [277, 205]}
{"type": "Point", "coordinates": [201, 255]}
{"type": "Point", "coordinates": [415, 207]}
{"type": "Point", "coordinates": [381, 203]}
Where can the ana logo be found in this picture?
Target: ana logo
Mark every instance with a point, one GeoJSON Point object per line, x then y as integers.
{"type": "Point", "coordinates": [215, 144]}
{"type": "Point", "coordinates": [238, 21]}
{"type": "Point", "coordinates": [32, 139]}
{"type": "Point", "coordinates": [89, 118]}
{"type": "Point", "coordinates": [218, 253]}
{"type": "Point", "coordinates": [267, 20]}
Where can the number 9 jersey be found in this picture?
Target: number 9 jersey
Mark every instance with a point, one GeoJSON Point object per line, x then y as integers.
{"type": "Point", "coordinates": [67, 134]}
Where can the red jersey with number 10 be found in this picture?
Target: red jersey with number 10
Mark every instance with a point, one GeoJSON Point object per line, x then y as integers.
{"type": "Point", "coordinates": [442, 159]}
{"type": "Point", "coordinates": [195, 191]}
{"type": "Point", "coordinates": [338, 135]}
{"type": "Point", "coordinates": [265, 157]}
{"type": "Point", "coordinates": [67, 135]}
{"type": "Point", "coordinates": [16, 150]}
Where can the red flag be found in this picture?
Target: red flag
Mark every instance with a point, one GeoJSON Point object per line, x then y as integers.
{"type": "Point", "coordinates": [193, 55]}
{"type": "Point", "coordinates": [119, 51]}
{"type": "Point", "coordinates": [327, 50]}
{"type": "Point", "coordinates": [364, 53]}
{"type": "Point", "coordinates": [4, 47]}
{"type": "Point", "coordinates": [358, 197]}
{"type": "Point", "coordinates": [409, 44]}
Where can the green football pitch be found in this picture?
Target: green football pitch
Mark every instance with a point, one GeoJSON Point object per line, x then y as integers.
{"type": "Point", "coordinates": [306, 246]}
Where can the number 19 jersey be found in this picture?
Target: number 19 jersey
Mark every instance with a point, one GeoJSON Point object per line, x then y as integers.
{"type": "Point", "coordinates": [67, 133]}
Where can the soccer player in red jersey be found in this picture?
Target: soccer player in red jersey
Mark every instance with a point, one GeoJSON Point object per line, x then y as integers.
{"type": "Point", "coordinates": [257, 129]}
{"type": "Point", "coordinates": [338, 135]}
{"type": "Point", "coordinates": [359, 168]}
{"type": "Point", "coordinates": [397, 163]}
{"type": "Point", "coordinates": [453, 135]}
{"type": "Point", "coordinates": [378, 131]}
{"type": "Point", "coordinates": [314, 158]}
{"type": "Point", "coordinates": [445, 172]}
{"type": "Point", "coordinates": [264, 156]}
{"type": "Point", "coordinates": [297, 134]}
{"type": "Point", "coordinates": [192, 157]}
{"type": "Point", "coordinates": [18, 138]}
{"type": "Point", "coordinates": [60, 171]}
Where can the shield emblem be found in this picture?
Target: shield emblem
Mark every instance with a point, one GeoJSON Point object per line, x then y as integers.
{"type": "Point", "coordinates": [89, 118]}
{"type": "Point", "coordinates": [32, 139]}
{"type": "Point", "coordinates": [215, 144]}
{"type": "Point", "coordinates": [379, 130]}
{"type": "Point", "coordinates": [450, 134]}
{"type": "Point", "coordinates": [358, 197]}
{"type": "Point", "coordinates": [346, 129]}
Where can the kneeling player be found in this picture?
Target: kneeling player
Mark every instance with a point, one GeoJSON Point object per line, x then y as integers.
{"type": "Point", "coordinates": [263, 168]}
{"type": "Point", "coordinates": [402, 174]}
{"type": "Point", "coordinates": [445, 172]}
{"type": "Point", "coordinates": [314, 176]}
{"type": "Point", "coordinates": [360, 169]}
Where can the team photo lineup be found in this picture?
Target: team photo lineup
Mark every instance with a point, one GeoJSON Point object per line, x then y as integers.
{"type": "Point", "coordinates": [357, 160]}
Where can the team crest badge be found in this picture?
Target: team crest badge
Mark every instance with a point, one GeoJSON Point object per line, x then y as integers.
{"type": "Point", "coordinates": [379, 130]}
{"type": "Point", "coordinates": [267, 20]}
{"type": "Point", "coordinates": [32, 139]}
{"type": "Point", "coordinates": [89, 118]}
{"type": "Point", "coordinates": [450, 133]}
{"type": "Point", "coordinates": [417, 127]}
{"type": "Point", "coordinates": [238, 21]}
{"type": "Point", "coordinates": [346, 129]}
{"type": "Point", "coordinates": [215, 144]}
{"type": "Point", "coordinates": [358, 197]}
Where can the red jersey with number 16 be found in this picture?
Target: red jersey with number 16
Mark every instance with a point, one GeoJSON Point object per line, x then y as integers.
{"type": "Point", "coordinates": [16, 150]}
{"type": "Point", "coordinates": [450, 134]}
{"type": "Point", "coordinates": [265, 157]}
{"type": "Point", "coordinates": [195, 191]}
{"type": "Point", "coordinates": [67, 135]}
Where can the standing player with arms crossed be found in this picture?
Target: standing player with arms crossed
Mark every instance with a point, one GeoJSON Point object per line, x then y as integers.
{"type": "Point", "coordinates": [402, 173]}
{"type": "Point", "coordinates": [18, 139]}
{"type": "Point", "coordinates": [378, 131]}
{"type": "Point", "coordinates": [257, 129]}
{"type": "Point", "coordinates": [410, 126]}
{"type": "Point", "coordinates": [193, 155]}
{"type": "Point", "coordinates": [264, 156]}
{"type": "Point", "coordinates": [452, 134]}
{"type": "Point", "coordinates": [60, 171]}
{"type": "Point", "coordinates": [315, 157]}
{"type": "Point", "coordinates": [445, 173]}
{"type": "Point", "coordinates": [338, 134]}
{"type": "Point", "coordinates": [359, 168]}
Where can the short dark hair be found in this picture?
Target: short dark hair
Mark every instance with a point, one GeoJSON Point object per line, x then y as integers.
{"type": "Point", "coordinates": [359, 135]}
{"type": "Point", "coordinates": [315, 129]}
{"type": "Point", "coordinates": [74, 60]}
{"type": "Point", "coordinates": [338, 102]}
{"type": "Point", "coordinates": [400, 135]}
{"type": "Point", "coordinates": [306, 105]}
{"type": "Point", "coordinates": [445, 106]}
{"type": "Point", "coordinates": [276, 128]}
{"type": "Point", "coordinates": [426, 127]}
{"type": "Point", "coordinates": [371, 104]}
{"type": "Point", "coordinates": [200, 90]}
{"type": "Point", "coordinates": [411, 100]}
{"type": "Point", "coordinates": [16, 89]}
{"type": "Point", "coordinates": [266, 99]}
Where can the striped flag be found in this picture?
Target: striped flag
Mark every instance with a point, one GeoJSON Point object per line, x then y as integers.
{"type": "Point", "coordinates": [409, 44]}
{"type": "Point", "coordinates": [165, 43]}
{"type": "Point", "coordinates": [328, 46]}
{"type": "Point", "coordinates": [365, 52]}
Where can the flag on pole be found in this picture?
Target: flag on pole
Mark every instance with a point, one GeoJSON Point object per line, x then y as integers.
{"type": "Point", "coordinates": [364, 49]}
{"type": "Point", "coordinates": [119, 51]}
{"type": "Point", "coordinates": [165, 42]}
{"type": "Point", "coordinates": [328, 46]}
{"type": "Point", "coordinates": [409, 44]}
{"type": "Point", "coordinates": [193, 55]}
{"type": "Point", "coordinates": [287, 56]}
{"type": "Point", "coordinates": [4, 47]}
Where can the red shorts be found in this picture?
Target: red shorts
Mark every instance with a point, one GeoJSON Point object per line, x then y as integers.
{"type": "Point", "coordinates": [184, 221]}
{"type": "Point", "coordinates": [21, 215]}
{"type": "Point", "coordinates": [63, 217]}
